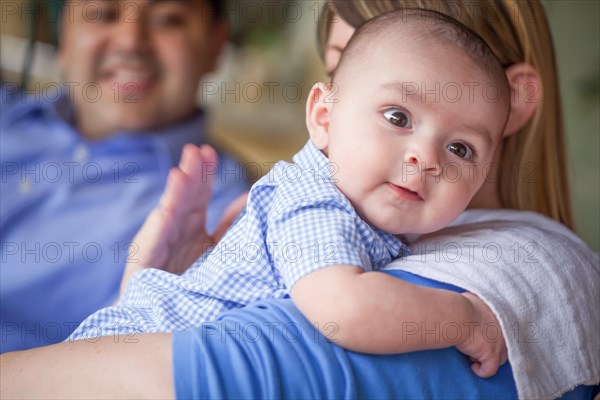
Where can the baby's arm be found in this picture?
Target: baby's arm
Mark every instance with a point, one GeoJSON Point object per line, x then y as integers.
{"type": "Point", "coordinates": [373, 312]}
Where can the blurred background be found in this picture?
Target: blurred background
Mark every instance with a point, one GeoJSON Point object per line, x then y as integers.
{"type": "Point", "coordinates": [257, 98]}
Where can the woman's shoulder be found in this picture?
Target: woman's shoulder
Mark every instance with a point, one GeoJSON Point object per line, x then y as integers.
{"type": "Point", "coordinates": [505, 214]}
{"type": "Point", "coordinates": [510, 219]}
{"type": "Point", "coordinates": [505, 229]}
{"type": "Point", "coordinates": [526, 267]}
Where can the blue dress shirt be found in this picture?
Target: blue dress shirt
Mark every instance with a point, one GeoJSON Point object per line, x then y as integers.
{"type": "Point", "coordinates": [70, 206]}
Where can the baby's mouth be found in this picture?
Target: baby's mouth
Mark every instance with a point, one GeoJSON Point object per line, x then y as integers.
{"type": "Point", "coordinates": [404, 193]}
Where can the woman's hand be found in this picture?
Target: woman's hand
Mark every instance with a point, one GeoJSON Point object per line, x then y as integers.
{"type": "Point", "coordinates": [174, 234]}
{"type": "Point", "coordinates": [485, 344]}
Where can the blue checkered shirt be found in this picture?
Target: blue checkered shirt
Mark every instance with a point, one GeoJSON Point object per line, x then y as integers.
{"type": "Point", "coordinates": [296, 222]}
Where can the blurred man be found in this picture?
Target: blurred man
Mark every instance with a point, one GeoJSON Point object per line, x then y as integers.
{"type": "Point", "coordinates": [82, 169]}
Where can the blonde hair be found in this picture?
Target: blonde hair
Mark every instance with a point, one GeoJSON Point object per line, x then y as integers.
{"type": "Point", "coordinates": [533, 162]}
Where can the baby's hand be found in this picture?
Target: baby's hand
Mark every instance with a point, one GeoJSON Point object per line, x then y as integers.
{"type": "Point", "coordinates": [485, 344]}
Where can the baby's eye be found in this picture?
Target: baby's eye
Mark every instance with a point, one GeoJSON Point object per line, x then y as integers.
{"type": "Point", "coordinates": [398, 117]}
{"type": "Point", "coordinates": [461, 150]}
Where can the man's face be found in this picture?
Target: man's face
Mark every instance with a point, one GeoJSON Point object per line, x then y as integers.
{"type": "Point", "coordinates": [135, 65]}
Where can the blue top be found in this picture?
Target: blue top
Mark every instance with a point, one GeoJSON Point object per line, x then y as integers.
{"type": "Point", "coordinates": [268, 350]}
{"type": "Point", "coordinates": [69, 208]}
{"type": "Point", "coordinates": [296, 221]}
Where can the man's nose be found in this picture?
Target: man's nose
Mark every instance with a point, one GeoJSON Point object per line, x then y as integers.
{"type": "Point", "coordinates": [132, 36]}
{"type": "Point", "coordinates": [423, 155]}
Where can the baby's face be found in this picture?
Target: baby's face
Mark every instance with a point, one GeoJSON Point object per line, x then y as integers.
{"type": "Point", "coordinates": [412, 134]}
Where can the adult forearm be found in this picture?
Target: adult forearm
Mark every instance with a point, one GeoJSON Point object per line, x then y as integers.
{"type": "Point", "coordinates": [111, 367]}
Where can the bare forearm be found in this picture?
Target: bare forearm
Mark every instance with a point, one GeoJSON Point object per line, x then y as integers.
{"type": "Point", "coordinates": [109, 368]}
{"type": "Point", "coordinates": [397, 316]}
{"type": "Point", "coordinates": [376, 313]}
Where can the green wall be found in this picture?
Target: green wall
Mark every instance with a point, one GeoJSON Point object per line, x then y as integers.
{"type": "Point", "coordinates": [575, 26]}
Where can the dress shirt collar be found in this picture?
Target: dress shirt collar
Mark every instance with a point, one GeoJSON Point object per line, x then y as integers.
{"type": "Point", "coordinates": [312, 158]}
{"type": "Point", "coordinates": [172, 139]}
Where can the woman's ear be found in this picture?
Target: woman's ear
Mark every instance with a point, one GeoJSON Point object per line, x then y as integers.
{"type": "Point", "coordinates": [525, 96]}
{"type": "Point", "coordinates": [318, 113]}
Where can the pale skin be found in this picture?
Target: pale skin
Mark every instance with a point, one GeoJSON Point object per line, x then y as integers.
{"type": "Point", "coordinates": [143, 369]}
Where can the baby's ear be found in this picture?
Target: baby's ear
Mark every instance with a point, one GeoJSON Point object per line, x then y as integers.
{"type": "Point", "coordinates": [318, 113]}
{"type": "Point", "coordinates": [526, 94]}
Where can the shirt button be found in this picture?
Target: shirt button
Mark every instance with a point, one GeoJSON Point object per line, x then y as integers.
{"type": "Point", "coordinates": [25, 187]}
{"type": "Point", "coordinates": [81, 153]}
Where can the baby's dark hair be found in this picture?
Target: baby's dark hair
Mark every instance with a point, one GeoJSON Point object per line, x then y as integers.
{"type": "Point", "coordinates": [425, 24]}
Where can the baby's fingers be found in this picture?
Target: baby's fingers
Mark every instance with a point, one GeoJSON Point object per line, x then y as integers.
{"type": "Point", "coordinates": [504, 356]}
{"type": "Point", "coordinates": [486, 368]}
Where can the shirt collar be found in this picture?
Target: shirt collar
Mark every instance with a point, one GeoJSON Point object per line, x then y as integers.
{"type": "Point", "coordinates": [396, 247]}
{"type": "Point", "coordinates": [172, 138]}
{"type": "Point", "coordinates": [21, 107]}
{"type": "Point", "coordinates": [311, 157]}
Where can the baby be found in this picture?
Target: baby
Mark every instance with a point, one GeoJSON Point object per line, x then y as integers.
{"type": "Point", "coordinates": [400, 141]}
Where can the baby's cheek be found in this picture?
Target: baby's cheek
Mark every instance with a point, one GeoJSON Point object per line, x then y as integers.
{"type": "Point", "coordinates": [488, 171]}
{"type": "Point", "coordinates": [442, 215]}
{"type": "Point", "coordinates": [471, 181]}
{"type": "Point", "coordinates": [457, 194]}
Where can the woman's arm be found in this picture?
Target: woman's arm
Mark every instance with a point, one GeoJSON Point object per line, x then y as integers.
{"type": "Point", "coordinates": [136, 367]}
{"type": "Point", "coordinates": [375, 313]}
{"type": "Point", "coordinates": [269, 350]}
